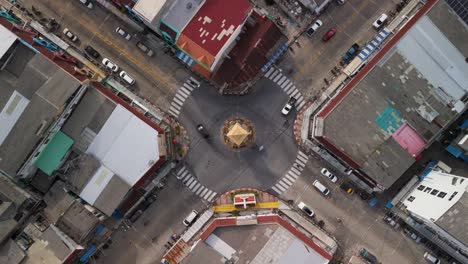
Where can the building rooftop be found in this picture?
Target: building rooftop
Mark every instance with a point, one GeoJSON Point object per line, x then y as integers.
{"type": "Point", "coordinates": [213, 28]}
{"type": "Point", "coordinates": [180, 13]}
{"type": "Point", "coordinates": [34, 91]}
{"type": "Point", "coordinates": [407, 97]}
{"type": "Point", "coordinates": [455, 220]}
{"type": "Point", "coordinates": [58, 201]}
{"type": "Point", "coordinates": [11, 253]}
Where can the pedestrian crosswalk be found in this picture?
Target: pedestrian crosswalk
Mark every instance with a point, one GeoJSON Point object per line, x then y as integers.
{"type": "Point", "coordinates": [195, 186]}
{"type": "Point", "coordinates": [286, 85]}
{"type": "Point", "coordinates": [293, 173]}
{"type": "Point", "coordinates": [181, 95]}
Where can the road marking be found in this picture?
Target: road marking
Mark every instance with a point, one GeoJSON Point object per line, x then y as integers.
{"type": "Point", "coordinates": [290, 178]}
{"type": "Point", "coordinates": [303, 154]}
{"type": "Point", "coordinates": [211, 197]}
{"type": "Point", "coordinates": [277, 77]}
{"type": "Point", "coordinates": [180, 97]}
{"type": "Point", "coordinates": [299, 100]}
{"type": "Point", "coordinates": [192, 184]}
{"type": "Point", "coordinates": [203, 193]}
{"type": "Point", "coordinates": [196, 187]}
{"type": "Point", "coordinates": [186, 85]}
{"type": "Point", "coordinates": [283, 184]}
{"type": "Point", "coordinates": [270, 71]}
{"type": "Point", "coordinates": [175, 105]}
{"type": "Point", "coordinates": [207, 194]}
{"type": "Point", "coordinates": [301, 158]}
{"type": "Point", "coordinates": [297, 166]}
{"type": "Point", "coordinates": [293, 174]}
{"type": "Point", "coordinates": [287, 82]}
{"type": "Point", "coordinates": [284, 180]}
{"type": "Point", "coordinates": [186, 175]}
{"type": "Point", "coordinates": [273, 75]}
{"type": "Point", "coordinates": [276, 190]}
{"type": "Point", "coordinates": [174, 112]}
{"type": "Point", "coordinates": [179, 92]}
{"type": "Point", "coordinates": [288, 87]}
{"type": "Point", "coordinates": [295, 92]}
{"type": "Point", "coordinates": [281, 80]}
{"type": "Point", "coordinates": [295, 171]}
{"type": "Point", "coordinates": [298, 161]}
{"type": "Point", "coordinates": [181, 170]}
{"type": "Point", "coordinates": [178, 101]}
{"type": "Point", "coordinates": [200, 190]}
{"type": "Point", "coordinates": [190, 181]}
{"type": "Point", "coordinates": [293, 89]}
{"type": "Point", "coordinates": [195, 81]}
{"type": "Point", "coordinates": [280, 187]}
{"type": "Point", "coordinates": [184, 90]}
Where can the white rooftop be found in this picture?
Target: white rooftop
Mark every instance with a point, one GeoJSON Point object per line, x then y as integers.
{"type": "Point", "coordinates": [7, 38]}
{"type": "Point", "coordinates": [435, 195]}
{"type": "Point", "coordinates": [149, 9]}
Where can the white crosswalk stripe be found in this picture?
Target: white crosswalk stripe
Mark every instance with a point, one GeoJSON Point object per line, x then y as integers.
{"type": "Point", "coordinates": [273, 75]}
{"type": "Point", "coordinates": [295, 171]}
{"type": "Point", "coordinates": [279, 186]}
{"type": "Point", "coordinates": [193, 184]}
{"type": "Point", "coordinates": [204, 192]}
{"type": "Point", "coordinates": [286, 83]}
{"type": "Point", "coordinates": [211, 197]}
{"type": "Point", "coordinates": [297, 166]}
{"type": "Point", "coordinates": [293, 174]}
{"type": "Point", "coordinates": [292, 179]}
{"type": "Point", "coordinates": [175, 105]}
{"type": "Point", "coordinates": [187, 86]}
{"type": "Point", "coordinates": [283, 184]}
{"type": "Point", "coordinates": [190, 181]}
{"type": "Point", "coordinates": [181, 170]}
{"type": "Point", "coordinates": [298, 161]}
{"type": "Point", "coordinates": [180, 93]}
{"type": "Point", "coordinates": [276, 190]}
{"type": "Point", "coordinates": [301, 158]}
{"type": "Point", "coordinates": [187, 176]}
{"type": "Point", "coordinates": [301, 105]}
{"type": "Point", "coordinates": [196, 187]}
{"type": "Point", "coordinates": [270, 71]}
{"type": "Point", "coordinates": [207, 194]}
{"type": "Point", "coordinates": [200, 190]}
{"type": "Point", "coordinates": [299, 100]}
{"type": "Point", "coordinates": [286, 89]}
{"type": "Point", "coordinates": [295, 92]}
{"type": "Point", "coordinates": [174, 113]}
{"type": "Point", "coordinates": [278, 77]}
{"type": "Point", "coordinates": [184, 91]}
{"type": "Point", "coordinates": [177, 100]}
{"type": "Point", "coordinates": [285, 180]}
{"type": "Point", "coordinates": [180, 97]}
{"type": "Point", "coordinates": [293, 88]}
{"type": "Point", "coordinates": [281, 80]}
{"type": "Point", "coordinates": [302, 154]}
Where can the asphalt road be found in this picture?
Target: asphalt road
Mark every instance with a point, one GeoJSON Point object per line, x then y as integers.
{"type": "Point", "coordinates": [216, 165]}
{"type": "Point", "coordinates": [312, 59]}
{"type": "Point", "coordinates": [156, 77]}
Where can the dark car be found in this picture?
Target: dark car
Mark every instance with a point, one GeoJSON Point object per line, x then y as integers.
{"type": "Point", "coordinates": [347, 187]}
{"type": "Point", "coordinates": [330, 33]}
{"type": "Point", "coordinates": [202, 131]}
{"type": "Point", "coordinates": [92, 52]}
{"type": "Point", "coordinates": [350, 53]}
{"type": "Point", "coordinates": [369, 257]}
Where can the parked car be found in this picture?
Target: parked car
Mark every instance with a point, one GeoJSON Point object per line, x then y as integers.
{"type": "Point", "coordinates": [348, 188]}
{"type": "Point", "coordinates": [288, 106]}
{"type": "Point", "coordinates": [92, 52]}
{"type": "Point", "coordinates": [369, 257]}
{"type": "Point", "coordinates": [330, 33]}
{"type": "Point", "coordinates": [129, 80]}
{"type": "Point", "coordinates": [145, 49]}
{"type": "Point", "coordinates": [110, 65]}
{"type": "Point", "coordinates": [201, 129]}
{"type": "Point", "coordinates": [309, 212]}
{"type": "Point", "coordinates": [329, 175]}
{"type": "Point", "coordinates": [135, 216]}
{"type": "Point", "coordinates": [318, 23]}
{"type": "Point", "coordinates": [70, 35]}
{"type": "Point", "coordinates": [87, 3]}
{"type": "Point", "coordinates": [190, 218]}
{"type": "Point", "coordinates": [431, 258]}
{"type": "Point", "coordinates": [391, 221]}
{"type": "Point", "coordinates": [123, 33]}
{"type": "Point", "coordinates": [319, 186]}
{"type": "Point", "coordinates": [350, 53]}
{"type": "Point", "coordinates": [380, 21]}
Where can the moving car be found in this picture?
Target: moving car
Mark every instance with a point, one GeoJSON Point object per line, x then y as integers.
{"type": "Point", "coordinates": [369, 257]}
{"type": "Point", "coordinates": [314, 27]}
{"type": "Point", "coordinates": [190, 218]}
{"type": "Point", "coordinates": [145, 49]}
{"type": "Point", "coordinates": [305, 209]}
{"type": "Point", "coordinates": [202, 131]}
{"type": "Point", "coordinates": [431, 258]}
{"type": "Point", "coordinates": [91, 51]}
{"type": "Point", "coordinates": [380, 21]}
{"type": "Point", "coordinates": [348, 188]}
{"type": "Point", "coordinates": [319, 186]}
{"type": "Point", "coordinates": [129, 80]}
{"type": "Point", "coordinates": [123, 33]}
{"type": "Point", "coordinates": [289, 105]}
{"type": "Point", "coordinates": [70, 35]}
{"type": "Point", "coordinates": [330, 33]}
{"type": "Point", "coordinates": [87, 3]}
{"type": "Point", "coordinates": [329, 175]}
{"type": "Point", "coordinates": [110, 65]}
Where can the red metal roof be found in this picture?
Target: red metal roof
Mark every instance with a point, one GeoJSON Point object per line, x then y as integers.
{"type": "Point", "coordinates": [215, 23]}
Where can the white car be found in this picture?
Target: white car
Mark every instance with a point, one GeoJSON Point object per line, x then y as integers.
{"type": "Point", "coordinates": [123, 33]}
{"type": "Point", "coordinates": [288, 106]}
{"type": "Point", "coordinates": [70, 35]}
{"type": "Point", "coordinates": [87, 3]}
{"type": "Point", "coordinates": [329, 175]}
{"type": "Point", "coordinates": [110, 65]}
{"type": "Point", "coordinates": [129, 80]}
{"type": "Point", "coordinates": [309, 212]}
{"type": "Point", "coordinates": [380, 21]}
{"type": "Point", "coordinates": [318, 23]}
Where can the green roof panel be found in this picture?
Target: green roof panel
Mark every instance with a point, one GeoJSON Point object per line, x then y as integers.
{"type": "Point", "coordinates": [53, 153]}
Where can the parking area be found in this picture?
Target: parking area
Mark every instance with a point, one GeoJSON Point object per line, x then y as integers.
{"type": "Point", "coordinates": [157, 77]}
{"type": "Point", "coordinates": [310, 60]}
{"type": "Point", "coordinates": [351, 221]}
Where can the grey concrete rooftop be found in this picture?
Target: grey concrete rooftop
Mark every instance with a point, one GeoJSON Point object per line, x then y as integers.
{"type": "Point", "coordinates": [455, 220]}
{"type": "Point", "coordinates": [361, 125]}
{"type": "Point", "coordinates": [47, 87]}
{"type": "Point", "coordinates": [179, 14]}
